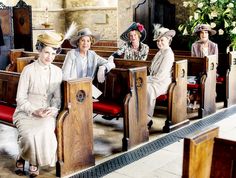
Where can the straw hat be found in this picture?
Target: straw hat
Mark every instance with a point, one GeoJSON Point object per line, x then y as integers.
{"type": "Point", "coordinates": [51, 39]}
{"type": "Point", "coordinates": [160, 31]}
{"type": "Point", "coordinates": [204, 27]}
{"type": "Point", "coordinates": [81, 33]}
{"type": "Point", "coordinates": [134, 26]}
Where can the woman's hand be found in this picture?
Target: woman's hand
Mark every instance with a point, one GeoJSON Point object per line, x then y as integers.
{"type": "Point", "coordinates": [42, 112]}
{"type": "Point", "coordinates": [101, 74]}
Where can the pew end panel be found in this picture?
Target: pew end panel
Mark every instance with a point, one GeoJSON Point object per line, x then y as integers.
{"type": "Point", "coordinates": [124, 95]}
{"type": "Point", "coordinates": [230, 80]}
{"type": "Point", "coordinates": [208, 87]}
{"type": "Point", "coordinates": [224, 158]}
{"type": "Point", "coordinates": [198, 150]}
{"type": "Point", "coordinates": [205, 70]}
{"type": "Point", "coordinates": [75, 128]}
{"type": "Point", "coordinates": [13, 55]}
{"type": "Point", "coordinates": [177, 101]}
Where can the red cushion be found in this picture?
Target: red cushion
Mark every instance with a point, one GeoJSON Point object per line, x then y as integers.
{"type": "Point", "coordinates": [107, 108]}
{"type": "Point", "coordinates": [6, 113]}
{"type": "Point", "coordinates": [162, 97]}
{"type": "Point", "coordinates": [220, 79]}
{"type": "Point", "coordinates": [193, 86]}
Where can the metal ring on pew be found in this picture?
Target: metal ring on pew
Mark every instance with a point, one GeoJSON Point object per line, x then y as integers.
{"type": "Point", "coordinates": [80, 96]}
{"type": "Point", "coordinates": [139, 82]}
{"type": "Point", "coordinates": [182, 73]}
{"type": "Point", "coordinates": [212, 66]}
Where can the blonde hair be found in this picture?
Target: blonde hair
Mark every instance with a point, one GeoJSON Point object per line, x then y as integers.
{"type": "Point", "coordinates": [137, 32]}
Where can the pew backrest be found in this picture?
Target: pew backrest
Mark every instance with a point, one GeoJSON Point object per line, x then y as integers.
{"type": "Point", "coordinates": [198, 150]}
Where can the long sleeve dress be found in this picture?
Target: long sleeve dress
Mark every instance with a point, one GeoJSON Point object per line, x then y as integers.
{"type": "Point", "coordinates": [160, 77]}
{"type": "Point", "coordinates": [74, 66]}
{"type": "Point", "coordinates": [39, 87]}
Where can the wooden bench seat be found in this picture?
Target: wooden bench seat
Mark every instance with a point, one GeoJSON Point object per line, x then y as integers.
{"type": "Point", "coordinates": [206, 155]}
{"type": "Point", "coordinates": [205, 68]}
{"type": "Point", "coordinates": [197, 153]}
{"type": "Point", "coordinates": [124, 95]}
{"type": "Point", "coordinates": [77, 107]}
{"type": "Point", "coordinates": [176, 97]}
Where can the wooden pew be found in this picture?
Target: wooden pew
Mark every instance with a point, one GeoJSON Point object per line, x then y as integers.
{"type": "Point", "coordinates": [16, 53]}
{"type": "Point", "coordinates": [224, 158]}
{"type": "Point", "coordinates": [197, 153]}
{"type": "Point", "coordinates": [124, 95]}
{"type": "Point", "coordinates": [230, 80]}
{"type": "Point", "coordinates": [207, 88]}
{"type": "Point", "coordinates": [177, 103]}
{"type": "Point", "coordinates": [74, 118]}
{"type": "Point", "coordinates": [129, 114]}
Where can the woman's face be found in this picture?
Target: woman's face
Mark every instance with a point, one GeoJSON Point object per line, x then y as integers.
{"type": "Point", "coordinates": [47, 55]}
{"type": "Point", "coordinates": [133, 36]}
{"type": "Point", "coordinates": [84, 43]}
{"type": "Point", "coordinates": [163, 42]}
{"type": "Point", "coordinates": [204, 36]}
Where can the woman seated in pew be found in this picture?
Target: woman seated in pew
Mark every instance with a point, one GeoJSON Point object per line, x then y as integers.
{"type": "Point", "coordinates": [38, 101]}
{"type": "Point", "coordinates": [161, 68]}
{"type": "Point", "coordinates": [204, 46]}
{"type": "Point", "coordinates": [133, 48]}
{"type": "Point", "coordinates": [83, 62]}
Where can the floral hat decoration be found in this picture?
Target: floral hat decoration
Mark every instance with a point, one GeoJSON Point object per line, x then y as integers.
{"type": "Point", "coordinates": [204, 27]}
{"type": "Point", "coordinates": [134, 26]}
{"type": "Point", "coordinates": [160, 31]}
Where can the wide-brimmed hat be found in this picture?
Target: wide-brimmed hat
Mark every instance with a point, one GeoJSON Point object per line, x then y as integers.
{"type": "Point", "coordinates": [81, 33]}
{"type": "Point", "coordinates": [204, 27]}
{"type": "Point", "coordinates": [134, 26]}
{"type": "Point", "coordinates": [52, 39]}
{"type": "Point", "coordinates": [160, 31]}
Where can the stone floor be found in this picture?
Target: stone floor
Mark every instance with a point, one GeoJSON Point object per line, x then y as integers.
{"type": "Point", "coordinates": [165, 163]}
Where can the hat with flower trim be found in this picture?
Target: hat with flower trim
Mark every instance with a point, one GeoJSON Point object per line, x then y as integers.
{"type": "Point", "coordinates": [134, 26]}
{"type": "Point", "coordinates": [204, 27]}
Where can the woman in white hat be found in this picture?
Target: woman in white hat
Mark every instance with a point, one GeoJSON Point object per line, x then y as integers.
{"type": "Point", "coordinates": [38, 101]}
{"type": "Point", "coordinates": [83, 62]}
{"type": "Point", "coordinates": [161, 68]}
{"type": "Point", "coordinates": [133, 48]}
{"type": "Point", "coordinates": [204, 46]}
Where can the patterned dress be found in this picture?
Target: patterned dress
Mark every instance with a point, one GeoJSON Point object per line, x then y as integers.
{"type": "Point", "coordinates": [39, 87]}
{"type": "Point", "coordinates": [131, 54]}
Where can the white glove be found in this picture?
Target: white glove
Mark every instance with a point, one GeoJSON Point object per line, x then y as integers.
{"type": "Point", "coordinates": [111, 63]}
{"type": "Point", "coordinates": [110, 59]}
{"type": "Point", "coordinates": [101, 74]}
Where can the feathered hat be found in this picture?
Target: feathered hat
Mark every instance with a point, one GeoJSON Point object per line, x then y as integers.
{"type": "Point", "coordinates": [81, 33]}
{"type": "Point", "coordinates": [134, 26]}
{"type": "Point", "coordinates": [160, 31]}
{"type": "Point", "coordinates": [54, 39]}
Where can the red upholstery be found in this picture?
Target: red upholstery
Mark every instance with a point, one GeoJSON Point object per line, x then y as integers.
{"type": "Point", "coordinates": [162, 97]}
{"type": "Point", "coordinates": [107, 108]}
{"type": "Point", "coordinates": [220, 79]}
{"type": "Point", "coordinates": [6, 113]}
{"type": "Point", "coordinates": [193, 86]}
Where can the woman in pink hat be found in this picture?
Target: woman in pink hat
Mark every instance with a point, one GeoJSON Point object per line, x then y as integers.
{"type": "Point", "coordinates": [160, 75]}
{"type": "Point", "coordinates": [133, 48]}
{"type": "Point", "coordinates": [204, 46]}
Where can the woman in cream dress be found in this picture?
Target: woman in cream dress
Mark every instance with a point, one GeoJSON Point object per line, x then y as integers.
{"type": "Point", "coordinates": [161, 68]}
{"type": "Point", "coordinates": [38, 101]}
